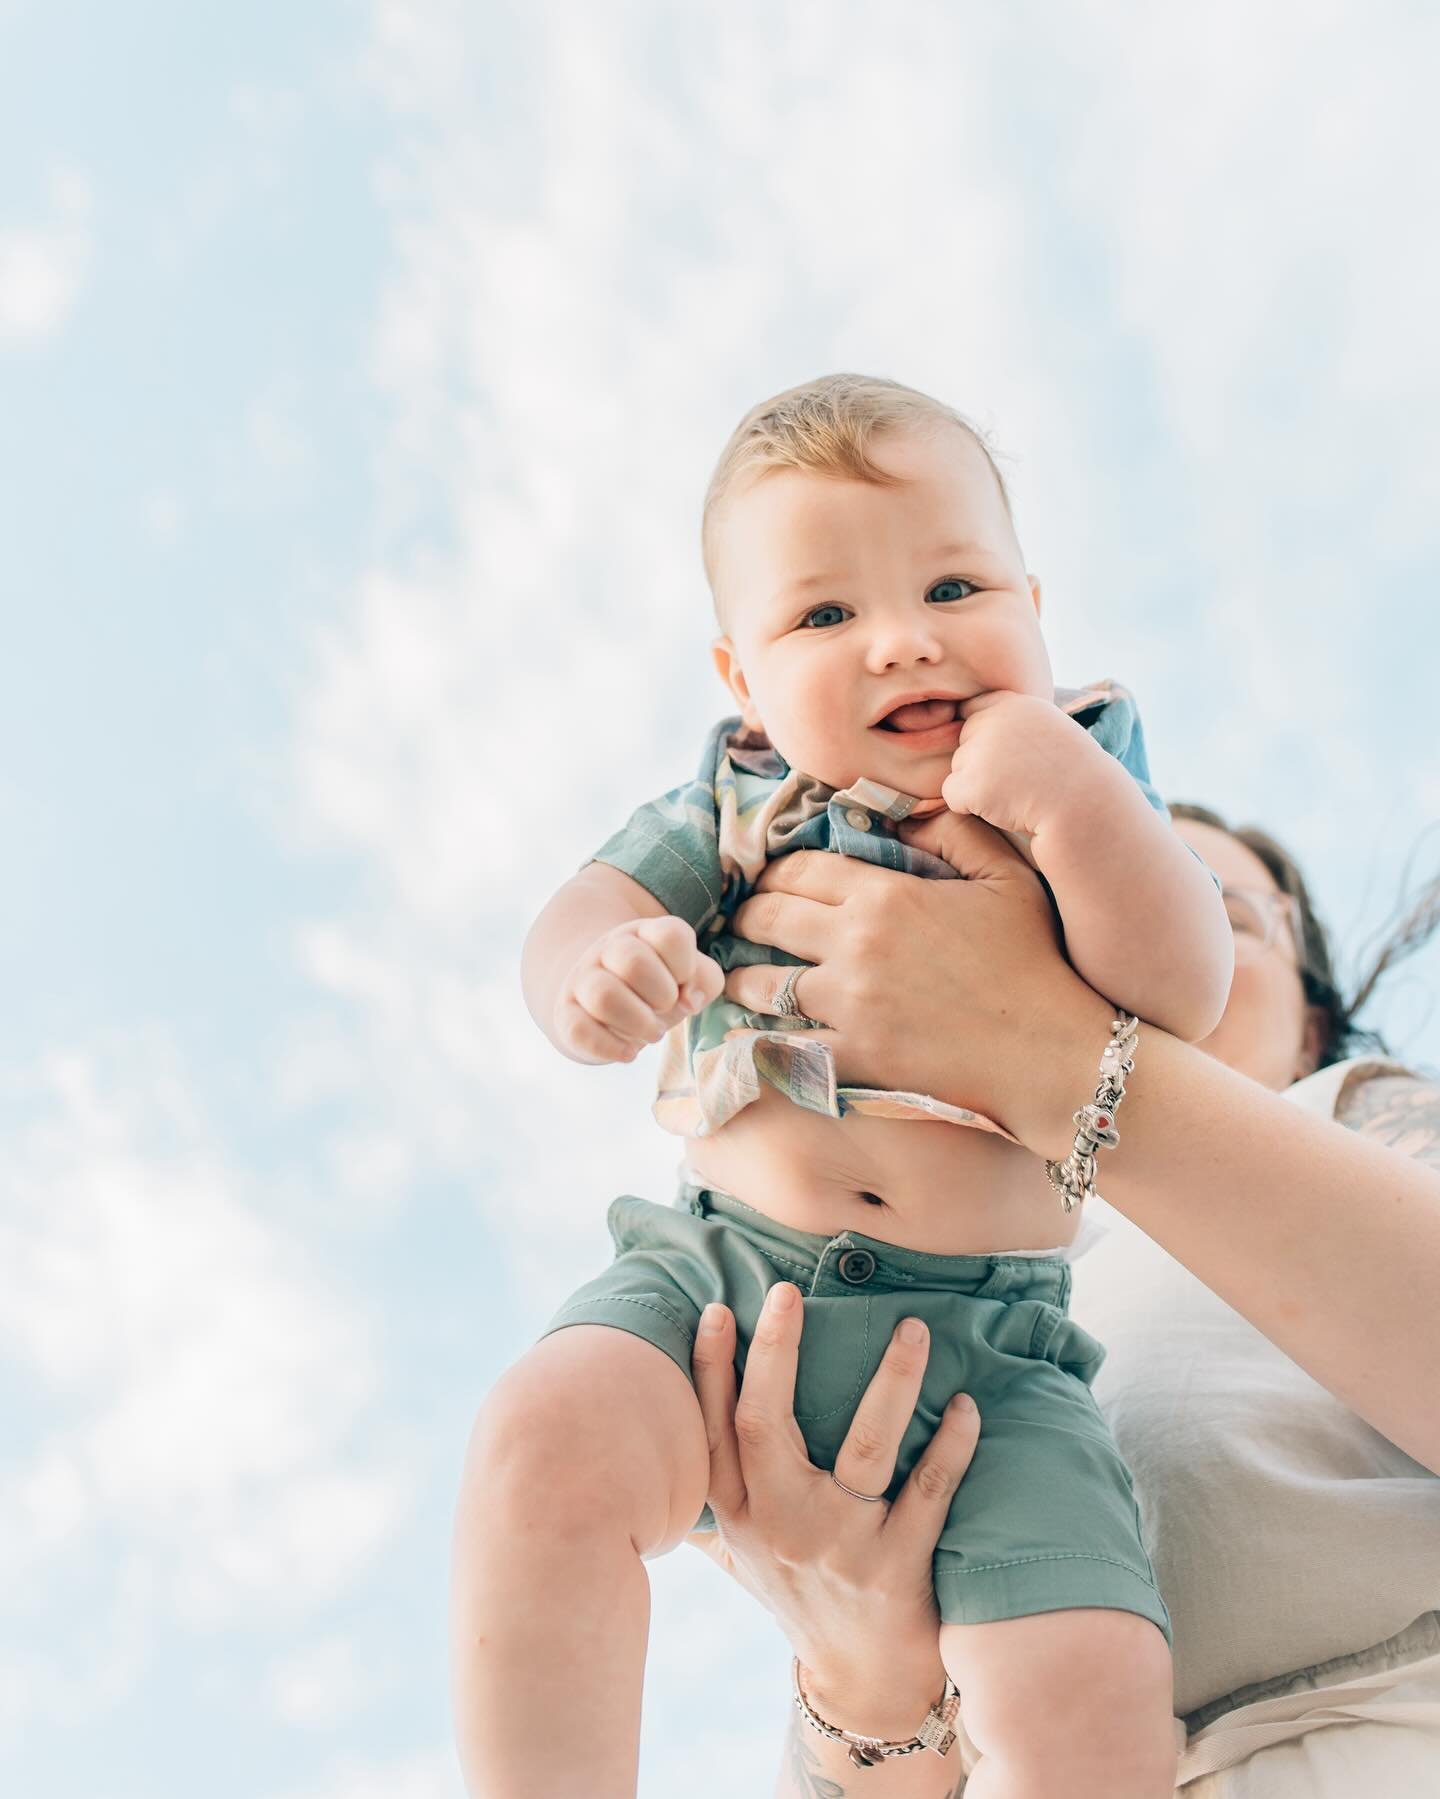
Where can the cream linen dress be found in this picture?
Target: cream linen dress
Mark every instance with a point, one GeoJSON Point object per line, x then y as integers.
{"type": "Point", "coordinates": [1297, 1549]}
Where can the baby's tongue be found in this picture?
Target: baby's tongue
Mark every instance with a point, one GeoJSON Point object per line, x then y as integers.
{"type": "Point", "coordinates": [921, 715]}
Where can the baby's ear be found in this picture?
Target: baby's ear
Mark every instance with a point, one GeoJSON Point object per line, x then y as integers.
{"type": "Point", "coordinates": [727, 665]}
{"type": "Point", "coordinates": [1034, 581]}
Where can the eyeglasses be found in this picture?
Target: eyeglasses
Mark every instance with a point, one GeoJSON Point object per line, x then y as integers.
{"type": "Point", "coordinates": [1255, 914]}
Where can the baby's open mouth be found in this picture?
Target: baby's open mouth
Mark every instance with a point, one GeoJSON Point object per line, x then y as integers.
{"type": "Point", "coordinates": [920, 715]}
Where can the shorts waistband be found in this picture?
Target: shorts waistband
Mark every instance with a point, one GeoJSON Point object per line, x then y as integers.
{"type": "Point", "coordinates": [851, 1261]}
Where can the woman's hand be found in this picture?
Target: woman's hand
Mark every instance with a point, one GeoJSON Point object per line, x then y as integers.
{"type": "Point", "coordinates": [848, 1581]}
{"type": "Point", "coordinates": [956, 988]}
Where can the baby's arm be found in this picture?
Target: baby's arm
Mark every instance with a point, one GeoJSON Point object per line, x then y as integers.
{"type": "Point", "coordinates": [1144, 923]}
{"type": "Point", "coordinates": [606, 970]}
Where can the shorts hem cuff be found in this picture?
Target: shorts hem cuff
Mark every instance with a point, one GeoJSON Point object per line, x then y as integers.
{"type": "Point", "coordinates": [637, 1318]}
{"type": "Point", "coordinates": [1044, 1583]}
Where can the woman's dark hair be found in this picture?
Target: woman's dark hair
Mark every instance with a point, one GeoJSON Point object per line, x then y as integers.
{"type": "Point", "coordinates": [1343, 1037]}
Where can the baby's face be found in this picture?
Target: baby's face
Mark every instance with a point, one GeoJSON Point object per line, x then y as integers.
{"type": "Point", "coordinates": [843, 600]}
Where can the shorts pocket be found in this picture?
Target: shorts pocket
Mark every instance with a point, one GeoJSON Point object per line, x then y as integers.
{"type": "Point", "coordinates": [1040, 1332]}
{"type": "Point", "coordinates": [1071, 1348]}
{"type": "Point", "coordinates": [839, 1351]}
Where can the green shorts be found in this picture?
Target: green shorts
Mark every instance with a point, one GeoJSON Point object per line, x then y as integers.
{"type": "Point", "coordinates": [1045, 1518]}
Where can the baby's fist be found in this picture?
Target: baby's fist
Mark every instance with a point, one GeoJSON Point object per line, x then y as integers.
{"type": "Point", "coordinates": [1018, 758]}
{"type": "Point", "coordinates": [631, 986]}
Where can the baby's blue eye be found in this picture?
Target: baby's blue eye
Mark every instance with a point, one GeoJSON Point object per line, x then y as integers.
{"type": "Point", "coordinates": [952, 590]}
{"type": "Point", "coordinates": [825, 615]}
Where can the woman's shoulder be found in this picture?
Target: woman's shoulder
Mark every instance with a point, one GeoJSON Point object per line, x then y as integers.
{"type": "Point", "coordinates": [1396, 1105]}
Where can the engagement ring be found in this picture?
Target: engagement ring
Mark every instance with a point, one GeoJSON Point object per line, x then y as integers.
{"type": "Point", "coordinates": [786, 1004]}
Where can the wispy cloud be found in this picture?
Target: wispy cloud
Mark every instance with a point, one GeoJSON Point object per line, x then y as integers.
{"type": "Point", "coordinates": [203, 1379]}
{"type": "Point", "coordinates": [43, 266]}
{"type": "Point", "coordinates": [321, 1684]}
{"type": "Point", "coordinates": [427, 1774]}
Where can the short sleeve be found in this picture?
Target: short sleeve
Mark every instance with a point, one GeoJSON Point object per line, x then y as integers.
{"type": "Point", "coordinates": [671, 845]}
{"type": "Point", "coordinates": [1116, 727]}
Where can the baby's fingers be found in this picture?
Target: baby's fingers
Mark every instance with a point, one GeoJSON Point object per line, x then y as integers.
{"type": "Point", "coordinates": [590, 1040]}
{"type": "Point", "coordinates": [638, 965]}
{"type": "Point", "coordinates": [607, 999]}
{"type": "Point", "coordinates": [673, 941]}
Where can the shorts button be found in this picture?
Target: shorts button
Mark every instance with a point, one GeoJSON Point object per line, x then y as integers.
{"type": "Point", "coordinates": [856, 1266]}
{"type": "Point", "coordinates": [857, 819]}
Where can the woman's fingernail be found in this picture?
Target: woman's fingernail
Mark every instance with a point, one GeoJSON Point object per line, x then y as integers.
{"type": "Point", "coordinates": [712, 1318]}
{"type": "Point", "coordinates": [782, 1296]}
{"type": "Point", "coordinates": [962, 1402]}
{"type": "Point", "coordinates": [912, 1331]}
{"type": "Point", "coordinates": [693, 996]}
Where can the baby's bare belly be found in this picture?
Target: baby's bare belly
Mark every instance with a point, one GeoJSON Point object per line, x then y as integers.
{"type": "Point", "coordinates": [945, 1188]}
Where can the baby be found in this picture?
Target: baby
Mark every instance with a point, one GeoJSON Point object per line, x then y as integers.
{"type": "Point", "coordinates": [881, 639]}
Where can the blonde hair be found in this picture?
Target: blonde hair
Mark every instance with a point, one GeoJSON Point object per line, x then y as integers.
{"type": "Point", "coordinates": [825, 426]}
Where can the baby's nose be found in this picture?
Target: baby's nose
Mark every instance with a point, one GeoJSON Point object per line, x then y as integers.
{"type": "Point", "coordinates": [901, 642]}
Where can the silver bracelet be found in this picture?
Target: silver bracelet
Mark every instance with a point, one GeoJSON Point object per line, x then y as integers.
{"type": "Point", "coordinates": [935, 1733]}
{"type": "Point", "coordinates": [1074, 1178]}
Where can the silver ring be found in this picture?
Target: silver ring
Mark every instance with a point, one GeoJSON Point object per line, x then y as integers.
{"type": "Point", "coordinates": [786, 1005]}
{"type": "Point", "coordinates": [869, 1498]}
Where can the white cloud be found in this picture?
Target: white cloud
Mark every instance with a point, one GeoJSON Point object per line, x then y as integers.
{"type": "Point", "coordinates": [78, 1674]}
{"type": "Point", "coordinates": [458, 1079]}
{"type": "Point", "coordinates": [203, 1378]}
{"type": "Point", "coordinates": [426, 1774]}
{"type": "Point", "coordinates": [161, 514]}
{"type": "Point", "coordinates": [277, 439]}
{"type": "Point", "coordinates": [1262, 254]}
{"type": "Point", "coordinates": [42, 267]}
{"type": "Point", "coordinates": [320, 1685]}
{"type": "Point", "coordinates": [717, 1687]}
{"type": "Point", "coordinates": [269, 114]}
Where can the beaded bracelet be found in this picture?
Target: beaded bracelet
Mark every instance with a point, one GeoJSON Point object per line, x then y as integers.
{"type": "Point", "coordinates": [867, 1752]}
{"type": "Point", "coordinates": [1074, 1178]}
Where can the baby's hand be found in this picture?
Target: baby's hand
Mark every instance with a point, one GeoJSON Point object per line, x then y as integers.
{"type": "Point", "coordinates": [1021, 763]}
{"type": "Point", "coordinates": [630, 986]}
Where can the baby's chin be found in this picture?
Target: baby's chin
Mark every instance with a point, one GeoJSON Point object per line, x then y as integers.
{"type": "Point", "coordinates": [926, 795]}
{"type": "Point", "coordinates": [918, 775]}
{"type": "Point", "coordinates": [917, 780]}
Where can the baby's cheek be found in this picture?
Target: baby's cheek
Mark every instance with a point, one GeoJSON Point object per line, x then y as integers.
{"type": "Point", "coordinates": [821, 737]}
{"type": "Point", "coordinates": [1007, 654]}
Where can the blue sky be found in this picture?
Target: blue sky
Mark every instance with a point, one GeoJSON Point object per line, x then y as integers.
{"type": "Point", "coordinates": [361, 366]}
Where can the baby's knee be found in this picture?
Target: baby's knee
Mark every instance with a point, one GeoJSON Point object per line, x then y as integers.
{"type": "Point", "coordinates": [530, 1428]}
{"type": "Point", "coordinates": [592, 1429]}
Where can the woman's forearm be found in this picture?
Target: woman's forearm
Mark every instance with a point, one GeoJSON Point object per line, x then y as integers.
{"type": "Point", "coordinates": [1328, 1243]}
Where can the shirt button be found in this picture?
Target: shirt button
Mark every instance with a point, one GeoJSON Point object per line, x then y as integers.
{"type": "Point", "coordinates": [856, 1266]}
{"type": "Point", "coordinates": [858, 819]}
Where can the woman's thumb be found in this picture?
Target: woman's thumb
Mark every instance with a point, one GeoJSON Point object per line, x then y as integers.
{"type": "Point", "coordinates": [975, 850]}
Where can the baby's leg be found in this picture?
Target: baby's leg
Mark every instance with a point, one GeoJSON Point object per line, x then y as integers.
{"type": "Point", "coordinates": [1077, 1702]}
{"type": "Point", "coordinates": [588, 1456]}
